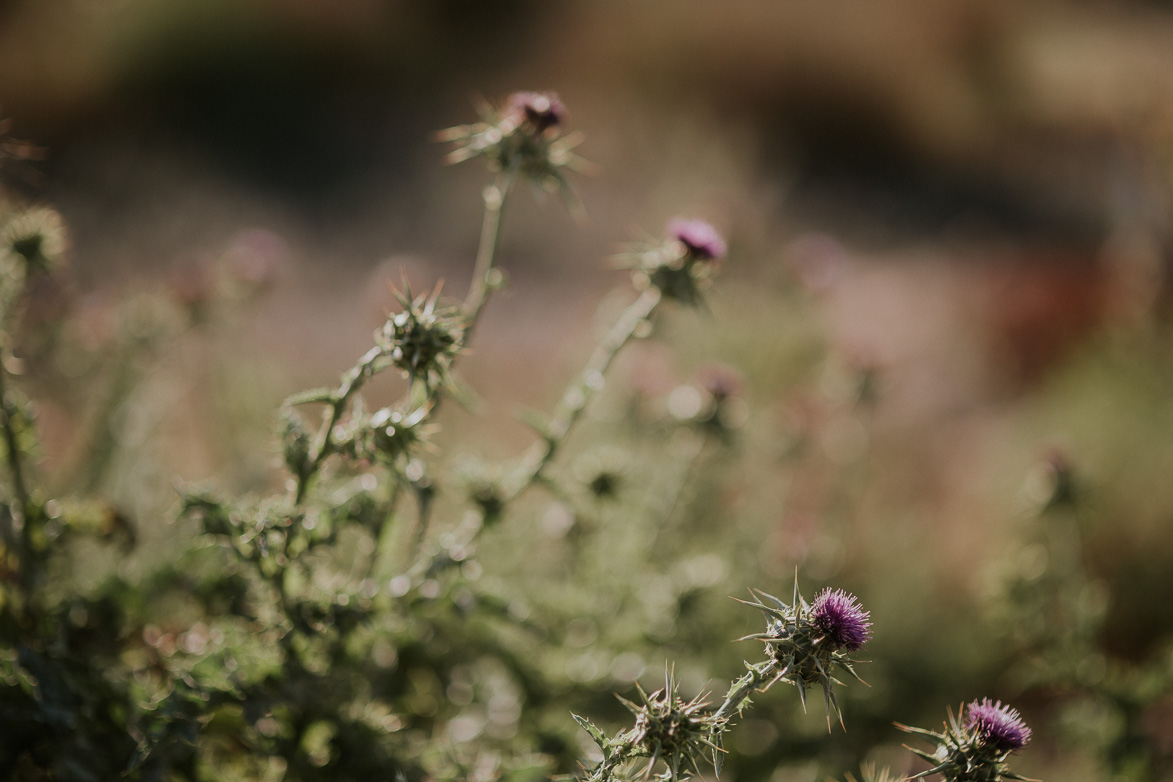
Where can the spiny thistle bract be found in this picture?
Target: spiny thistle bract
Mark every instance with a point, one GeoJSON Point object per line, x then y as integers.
{"type": "Point", "coordinates": [681, 265]}
{"type": "Point", "coordinates": [422, 339]}
{"type": "Point", "coordinates": [808, 642]}
{"type": "Point", "coordinates": [869, 773]}
{"type": "Point", "coordinates": [975, 744]}
{"type": "Point", "coordinates": [671, 729]}
{"type": "Point", "coordinates": [668, 730]}
{"type": "Point", "coordinates": [523, 135]}
{"type": "Point", "coordinates": [396, 432]}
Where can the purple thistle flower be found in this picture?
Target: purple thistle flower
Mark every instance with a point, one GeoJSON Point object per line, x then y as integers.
{"type": "Point", "coordinates": [998, 726]}
{"type": "Point", "coordinates": [541, 110]}
{"type": "Point", "coordinates": [841, 619]}
{"type": "Point", "coordinates": [701, 239]}
{"type": "Point", "coordinates": [720, 381]}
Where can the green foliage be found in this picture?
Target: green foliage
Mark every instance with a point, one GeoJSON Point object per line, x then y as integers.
{"type": "Point", "coordinates": [386, 610]}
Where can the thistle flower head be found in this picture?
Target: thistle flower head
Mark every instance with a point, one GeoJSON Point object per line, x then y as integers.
{"type": "Point", "coordinates": [523, 135]}
{"type": "Point", "coordinates": [540, 110]}
{"type": "Point", "coordinates": [841, 619]}
{"type": "Point", "coordinates": [699, 238]}
{"type": "Point", "coordinates": [722, 382]}
{"type": "Point", "coordinates": [998, 726]}
{"type": "Point", "coordinates": [680, 266]}
{"type": "Point", "coordinates": [722, 385]}
{"type": "Point", "coordinates": [975, 744]}
{"type": "Point", "coordinates": [807, 644]}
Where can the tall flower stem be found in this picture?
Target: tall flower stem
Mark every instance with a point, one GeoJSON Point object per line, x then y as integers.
{"type": "Point", "coordinates": [569, 410]}
{"type": "Point", "coordinates": [741, 690]}
{"type": "Point", "coordinates": [495, 197]}
{"type": "Point", "coordinates": [576, 397]}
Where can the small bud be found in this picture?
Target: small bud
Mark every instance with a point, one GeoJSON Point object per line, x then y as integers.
{"type": "Point", "coordinates": [723, 386]}
{"type": "Point", "coordinates": [395, 433]}
{"type": "Point", "coordinates": [295, 441]}
{"type": "Point", "coordinates": [602, 472]}
{"type": "Point", "coordinates": [423, 339]}
{"type": "Point", "coordinates": [36, 236]}
{"type": "Point", "coordinates": [672, 730]}
{"type": "Point", "coordinates": [488, 497]}
{"type": "Point", "coordinates": [605, 484]}
{"type": "Point", "coordinates": [1054, 481]}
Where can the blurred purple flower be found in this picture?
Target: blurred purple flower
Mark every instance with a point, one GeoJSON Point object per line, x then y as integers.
{"type": "Point", "coordinates": [720, 381]}
{"type": "Point", "coordinates": [841, 619]}
{"type": "Point", "coordinates": [541, 110]}
{"type": "Point", "coordinates": [998, 726]}
{"type": "Point", "coordinates": [701, 238]}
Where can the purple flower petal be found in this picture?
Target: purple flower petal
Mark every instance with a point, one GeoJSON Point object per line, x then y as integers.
{"type": "Point", "coordinates": [841, 619]}
{"type": "Point", "coordinates": [540, 109]}
{"type": "Point", "coordinates": [999, 726]}
{"type": "Point", "coordinates": [701, 239]}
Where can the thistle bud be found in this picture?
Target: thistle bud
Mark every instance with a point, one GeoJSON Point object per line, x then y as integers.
{"type": "Point", "coordinates": [422, 339]}
{"type": "Point", "coordinates": [295, 441]}
{"type": "Point", "coordinates": [723, 386]}
{"type": "Point", "coordinates": [670, 729]}
{"type": "Point", "coordinates": [395, 433]}
{"type": "Point", "coordinates": [36, 236]}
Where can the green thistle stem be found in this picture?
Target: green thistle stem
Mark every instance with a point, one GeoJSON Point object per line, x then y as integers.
{"type": "Point", "coordinates": [495, 197]}
{"type": "Point", "coordinates": [605, 771]}
{"type": "Point", "coordinates": [355, 378]}
{"type": "Point", "coordinates": [570, 409]}
{"type": "Point", "coordinates": [741, 691]}
{"type": "Point", "coordinates": [575, 400]}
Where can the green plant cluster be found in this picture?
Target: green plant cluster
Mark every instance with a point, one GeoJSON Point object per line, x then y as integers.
{"type": "Point", "coordinates": [388, 613]}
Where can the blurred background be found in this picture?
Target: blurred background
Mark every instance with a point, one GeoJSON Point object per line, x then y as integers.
{"type": "Point", "coordinates": [948, 286]}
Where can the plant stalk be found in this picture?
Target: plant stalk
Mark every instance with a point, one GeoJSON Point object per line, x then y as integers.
{"type": "Point", "coordinates": [495, 197]}
{"type": "Point", "coordinates": [575, 400]}
{"type": "Point", "coordinates": [352, 381]}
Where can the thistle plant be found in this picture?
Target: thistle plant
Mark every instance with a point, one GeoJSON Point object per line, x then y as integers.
{"type": "Point", "coordinates": [338, 628]}
{"type": "Point", "coordinates": [974, 745]}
